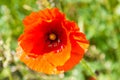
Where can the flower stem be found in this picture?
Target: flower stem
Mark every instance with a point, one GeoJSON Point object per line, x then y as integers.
{"type": "Point", "coordinates": [87, 67]}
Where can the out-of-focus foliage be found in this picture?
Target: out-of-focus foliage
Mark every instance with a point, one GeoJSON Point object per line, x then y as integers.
{"type": "Point", "coordinates": [99, 19]}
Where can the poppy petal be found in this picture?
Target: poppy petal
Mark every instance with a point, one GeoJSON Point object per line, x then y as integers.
{"type": "Point", "coordinates": [79, 44]}
{"type": "Point", "coordinates": [47, 63]}
{"type": "Point", "coordinates": [76, 56]}
{"type": "Point", "coordinates": [81, 39]}
{"type": "Point", "coordinates": [57, 59]}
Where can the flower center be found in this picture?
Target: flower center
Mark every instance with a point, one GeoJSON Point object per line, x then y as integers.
{"type": "Point", "coordinates": [52, 36]}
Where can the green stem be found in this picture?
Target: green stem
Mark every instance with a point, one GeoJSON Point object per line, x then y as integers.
{"type": "Point", "coordinates": [86, 66]}
{"type": "Point", "coordinates": [9, 74]}
{"type": "Point", "coordinates": [10, 77]}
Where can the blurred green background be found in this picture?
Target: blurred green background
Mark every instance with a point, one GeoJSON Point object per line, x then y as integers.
{"type": "Point", "coordinates": [98, 19]}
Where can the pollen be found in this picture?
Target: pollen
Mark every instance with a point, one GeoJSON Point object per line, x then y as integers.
{"type": "Point", "coordinates": [52, 36]}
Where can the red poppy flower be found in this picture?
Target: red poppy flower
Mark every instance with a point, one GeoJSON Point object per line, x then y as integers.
{"type": "Point", "coordinates": [50, 43]}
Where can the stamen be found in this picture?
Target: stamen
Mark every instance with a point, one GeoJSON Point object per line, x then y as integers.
{"type": "Point", "coordinates": [52, 36]}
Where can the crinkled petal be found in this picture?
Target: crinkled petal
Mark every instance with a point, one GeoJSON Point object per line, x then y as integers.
{"type": "Point", "coordinates": [79, 45]}
{"type": "Point", "coordinates": [59, 58]}
{"type": "Point", "coordinates": [46, 63]}
{"type": "Point", "coordinates": [40, 64]}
